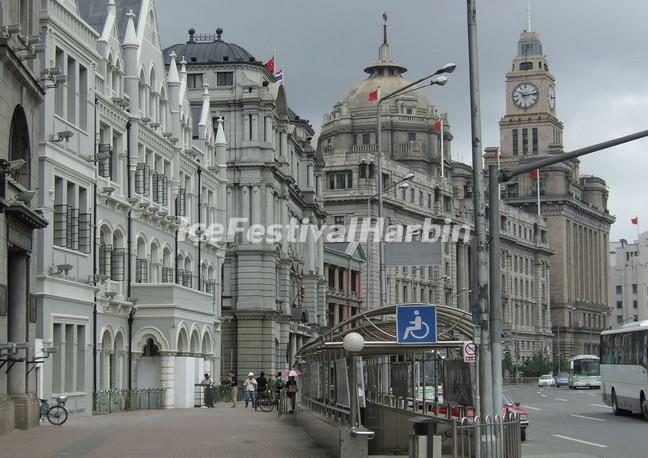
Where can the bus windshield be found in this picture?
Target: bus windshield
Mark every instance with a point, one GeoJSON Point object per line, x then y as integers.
{"type": "Point", "coordinates": [587, 367]}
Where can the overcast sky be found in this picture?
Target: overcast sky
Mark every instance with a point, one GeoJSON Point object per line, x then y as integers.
{"type": "Point", "coordinates": [596, 51]}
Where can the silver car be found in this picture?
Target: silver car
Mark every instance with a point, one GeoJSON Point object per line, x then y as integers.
{"type": "Point", "coordinates": [546, 380]}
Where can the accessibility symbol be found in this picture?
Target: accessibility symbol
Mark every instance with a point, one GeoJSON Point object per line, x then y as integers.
{"type": "Point", "coordinates": [416, 324]}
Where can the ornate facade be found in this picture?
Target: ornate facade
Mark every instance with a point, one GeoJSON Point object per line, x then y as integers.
{"type": "Point", "coordinates": [574, 205]}
{"type": "Point", "coordinates": [273, 293]}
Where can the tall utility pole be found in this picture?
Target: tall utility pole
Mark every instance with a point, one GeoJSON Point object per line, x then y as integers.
{"type": "Point", "coordinates": [495, 286]}
{"type": "Point", "coordinates": [485, 370]}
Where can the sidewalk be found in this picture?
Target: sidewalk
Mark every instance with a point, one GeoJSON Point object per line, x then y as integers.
{"type": "Point", "coordinates": [194, 433]}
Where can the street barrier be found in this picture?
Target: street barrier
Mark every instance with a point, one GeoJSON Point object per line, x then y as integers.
{"type": "Point", "coordinates": [495, 438]}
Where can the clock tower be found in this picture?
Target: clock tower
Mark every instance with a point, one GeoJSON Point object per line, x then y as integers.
{"type": "Point", "coordinates": [530, 125]}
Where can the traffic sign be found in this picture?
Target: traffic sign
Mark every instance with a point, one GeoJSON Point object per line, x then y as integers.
{"type": "Point", "coordinates": [416, 324]}
{"type": "Point", "coordinates": [469, 352]}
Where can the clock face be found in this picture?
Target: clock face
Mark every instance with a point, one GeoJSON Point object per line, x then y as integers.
{"type": "Point", "coordinates": [525, 95]}
{"type": "Point", "coordinates": [551, 96]}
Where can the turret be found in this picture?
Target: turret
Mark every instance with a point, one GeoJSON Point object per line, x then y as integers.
{"type": "Point", "coordinates": [131, 50]}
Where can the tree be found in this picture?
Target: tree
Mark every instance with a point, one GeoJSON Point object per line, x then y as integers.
{"type": "Point", "coordinates": [507, 365]}
{"type": "Point", "coordinates": [536, 366]}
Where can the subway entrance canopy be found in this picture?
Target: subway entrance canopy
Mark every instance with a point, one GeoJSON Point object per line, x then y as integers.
{"type": "Point", "coordinates": [378, 327]}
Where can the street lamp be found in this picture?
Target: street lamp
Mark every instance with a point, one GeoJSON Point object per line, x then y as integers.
{"type": "Point", "coordinates": [447, 68]}
{"type": "Point", "coordinates": [353, 343]}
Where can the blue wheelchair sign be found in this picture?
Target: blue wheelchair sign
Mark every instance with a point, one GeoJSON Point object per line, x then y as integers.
{"type": "Point", "coordinates": [416, 324]}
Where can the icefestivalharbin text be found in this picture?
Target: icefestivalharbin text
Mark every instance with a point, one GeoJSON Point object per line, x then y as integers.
{"type": "Point", "coordinates": [364, 230]}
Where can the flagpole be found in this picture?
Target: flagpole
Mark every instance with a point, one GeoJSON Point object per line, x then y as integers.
{"type": "Point", "coordinates": [538, 188]}
{"type": "Point", "coordinates": [442, 151]}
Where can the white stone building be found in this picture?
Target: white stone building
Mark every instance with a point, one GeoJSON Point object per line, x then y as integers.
{"type": "Point", "coordinates": [125, 300]}
{"type": "Point", "coordinates": [628, 280]}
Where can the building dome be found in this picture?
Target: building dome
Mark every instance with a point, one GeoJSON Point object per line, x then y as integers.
{"type": "Point", "coordinates": [210, 49]}
{"type": "Point", "coordinates": [386, 74]}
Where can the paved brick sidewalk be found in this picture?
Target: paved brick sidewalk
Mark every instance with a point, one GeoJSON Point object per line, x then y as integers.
{"type": "Point", "coordinates": [191, 433]}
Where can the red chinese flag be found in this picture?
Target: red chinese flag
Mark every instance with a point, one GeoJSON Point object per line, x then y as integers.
{"type": "Point", "coordinates": [270, 65]}
{"type": "Point", "coordinates": [534, 174]}
{"type": "Point", "coordinates": [438, 125]}
{"type": "Point", "coordinates": [635, 220]}
{"type": "Point", "coordinates": [374, 95]}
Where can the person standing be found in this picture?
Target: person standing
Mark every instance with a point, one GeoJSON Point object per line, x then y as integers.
{"type": "Point", "coordinates": [262, 384]}
{"type": "Point", "coordinates": [291, 388]}
{"type": "Point", "coordinates": [233, 387]}
{"type": "Point", "coordinates": [207, 384]}
{"type": "Point", "coordinates": [250, 387]}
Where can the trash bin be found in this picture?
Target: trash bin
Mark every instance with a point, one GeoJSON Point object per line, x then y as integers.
{"type": "Point", "coordinates": [424, 441]}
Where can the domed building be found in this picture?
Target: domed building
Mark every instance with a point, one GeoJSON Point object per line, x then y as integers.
{"type": "Point", "coordinates": [411, 146]}
{"type": "Point", "coordinates": [273, 293]}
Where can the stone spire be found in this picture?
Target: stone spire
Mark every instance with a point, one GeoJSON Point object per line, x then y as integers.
{"type": "Point", "coordinates": [130, 37]}
{"type": "Point", "coordinates": [385, 65]}
{"type": "Point", "coordinates": [173, 77]}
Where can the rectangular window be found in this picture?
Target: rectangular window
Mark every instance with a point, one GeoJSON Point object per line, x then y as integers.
{"type": "Point", "coordinates": [634, 288]}
{"type": "Point", "coordinates": [515, 142]}
{"type": "Point", "coordinates": [411, 136]}
{"type": "Point", "coordinates": [619, 304]}
{"type": "Point", "coordinates": [619, 289]}
{"type": "Point", "coordinates": [224, 78]}
{"type": "Point", "coordinates": [195, 81]}
{"type": "Point", "coordinates": [635, 304]}
{"type": "Point", "coordinates": [534, 140]}
{"type": "Point", "coordinates": [59, 95]}
{"type": "Point", "coordinates": [512, 190]}
{"type": "Point", "coordinates": [83, 97]}
{"type": "Point", "coordinates": [340, 180]}
{"type": "Point", "coordinates": [71, 88]}
{"type": "Point", "coordinates": [525, 141]}
{"type": "Point", "coordinates": [366, 139]}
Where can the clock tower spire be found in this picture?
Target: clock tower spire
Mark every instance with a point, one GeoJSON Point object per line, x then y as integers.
{"type": "Point", "coordinates": [530, 126]}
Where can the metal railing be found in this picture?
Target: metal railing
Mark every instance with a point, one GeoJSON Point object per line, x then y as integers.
{"type": "Point", "coordinates": [109, 401]}
{"type": "Point", "coordinates": [336, 413]}
{"type": "Point", "coordinates": [218, 392]}
{"type": "Point", "coordinates": [494, 438]}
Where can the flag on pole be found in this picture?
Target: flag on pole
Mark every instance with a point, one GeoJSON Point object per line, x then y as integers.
{"type": "Point", "coordinates": [438, 125]}
{"type": "Point", "coordinates": [270, 65]}
{"type": "Point", "coordinates": [635, 220]}
{"type": "Point", "coordinates": [534, 174]}
{"type": "Point", "coordinates": [374, 96]}
{"type": "Point", "coordinates": [279, 76]}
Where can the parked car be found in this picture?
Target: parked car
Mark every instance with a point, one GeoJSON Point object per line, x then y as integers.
{"type": "Point", "coordinates": [562, 379]}
{"type": "Point", "coordinates": [510, 406]}
{"type": "Point", "coordinates": [546, 380]}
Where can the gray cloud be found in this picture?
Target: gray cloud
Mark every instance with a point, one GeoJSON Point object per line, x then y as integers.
{"type": "Point", "coordinates": [595, 49]}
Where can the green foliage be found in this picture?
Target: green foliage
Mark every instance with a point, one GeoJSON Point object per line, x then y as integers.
{"type": "Point", "coordinates": [536, 366]}
{"type": "Point", "coordinates": [507, 364]}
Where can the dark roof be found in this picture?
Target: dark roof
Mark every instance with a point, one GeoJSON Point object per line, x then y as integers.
{"type": "Point", "coordinates": [210, 48]}
{"type": "Point", "coordinates": [337, 246]}
{"type": "Point", "coordinates": [94, 12]}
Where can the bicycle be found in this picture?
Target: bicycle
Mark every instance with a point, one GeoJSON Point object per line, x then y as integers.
{"type": "Point", "coordinates": [56, 415]}
{"type": "Point", "coordinates": [266, 401]}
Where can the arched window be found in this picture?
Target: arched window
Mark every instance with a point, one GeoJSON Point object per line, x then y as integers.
{"type": "Point", "coordinates": [19, 148]}
{"type": "Point", "coordinates": [150, 349]}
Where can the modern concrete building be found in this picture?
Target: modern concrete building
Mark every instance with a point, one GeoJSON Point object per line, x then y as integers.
{"type": "Point", "coordinates": [21, 95]}
{"type": "Point", "coordinates": [574, 206]}
{"type": "Point", "coordinates": [274, 293]}
{"type": "Point", "coordinates": [343, 267]}
{"type": "Point", "coordinates": [628, 287]}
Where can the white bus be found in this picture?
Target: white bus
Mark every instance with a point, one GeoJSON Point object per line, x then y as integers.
{"type": "Point", "coordinates": [584, 372]}
{"type": "Point", "coordinates": [624, 368]}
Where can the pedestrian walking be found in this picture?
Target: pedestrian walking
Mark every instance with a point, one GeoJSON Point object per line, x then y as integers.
{"type": "Point", "coordinates": [250, 387]}
{"type": "Point", "coordinates": [262, 383]}
{"type": "Point", "coordinates": [208, 384]}
{"type": "Point", "coordinates": [291, 387]}
{"type": "Point", "coordinates": [233, 387]}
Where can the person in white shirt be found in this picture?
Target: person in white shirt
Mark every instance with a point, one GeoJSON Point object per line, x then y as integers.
{"type": "Point", "coordinates": [250, 387]}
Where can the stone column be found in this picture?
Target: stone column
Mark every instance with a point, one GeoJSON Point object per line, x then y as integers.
{"type": "Point", "coordinates": [246, 127]}
{"type": "Point", "coordinates": [284, 145]}
{"type": "Point", "coordinates": [245, 211]}
{"type": "Point", "coordinates": [255, 127]}
{"type": "Point", "coordinates": [269, 206]}
{"type": "Point", "coordinates": [167, 378]}
{"type": "Point", "coordinates": [17, 287]}
{"type": "Point", "coordinates": [256, 215]}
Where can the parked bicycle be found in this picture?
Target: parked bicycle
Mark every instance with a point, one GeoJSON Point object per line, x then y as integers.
{"type": "Point", "coordinates": [266, 401]}
{"type": "Point", "coordinates": [56, 415]}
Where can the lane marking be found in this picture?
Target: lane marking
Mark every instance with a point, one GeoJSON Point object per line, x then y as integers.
{"type": "Point", "coordinates": [543, 395]}
{"type": "Point", "coordinates": [573, 439]}
{"type": "Point", "coordinates": [532, 408]}
{"type": "Point", "coordinates": [561, 399]}
{"type": "Point", "coordinates": [600, 405]}
{"type": "Point", "coordinates": [593, 395]}
{"type": "Point", "coordinates": [586, 417]}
